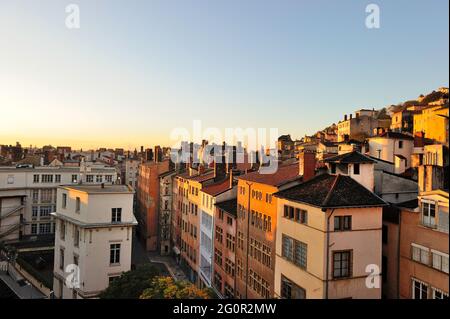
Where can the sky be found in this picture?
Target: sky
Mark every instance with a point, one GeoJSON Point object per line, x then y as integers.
{"type": "Point", "coordinates": [136, 70]}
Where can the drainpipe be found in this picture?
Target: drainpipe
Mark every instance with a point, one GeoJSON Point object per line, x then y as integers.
{"type": "Point", "coordinates": [328, 252]}
{"type": "Point", "coordinates": [248, 239]}
{"type": "Point", "coordinates": [398, 252]}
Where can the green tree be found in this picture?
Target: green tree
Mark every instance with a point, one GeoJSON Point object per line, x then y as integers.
{"type": "Point", "coordinates": [131, 284]}
{"type": "Point", "coordinates": [168, 288]}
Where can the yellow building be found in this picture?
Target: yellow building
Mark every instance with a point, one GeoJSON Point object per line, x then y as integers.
{"type": "Point", "coordinates": [433, 121]}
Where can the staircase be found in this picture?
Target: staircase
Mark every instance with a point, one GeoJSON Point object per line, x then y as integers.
{"type": "Point", "coordinates": [9, 230]}
{"type": "Point", "coordinates": [10, 211]}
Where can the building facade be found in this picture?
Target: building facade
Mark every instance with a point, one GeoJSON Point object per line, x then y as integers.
{"type": "Point", "coordinates": [93, 242]}
{"type": "Point", "coordinates": [36, 186]}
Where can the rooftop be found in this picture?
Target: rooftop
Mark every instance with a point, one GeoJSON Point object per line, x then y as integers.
{"type": "Point", "coordinates": [217, 188]}
{"type": "Point", "coordinates": [395, 135]}
{"type": "Point", "coordinates": [351, 157]}
{"type": "Point", "coordinates": [283, 175]}
{"type": "Point", "coordinates": [99, 189]}
{"type": "Point", "coordinates": [230, 206]}
{"type": "Point", "coordinates": [332, 191]}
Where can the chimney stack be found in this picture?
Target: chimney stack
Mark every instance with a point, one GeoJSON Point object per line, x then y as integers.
{"type": "Point", "coordinates": [231, 178]}
{"type": "Point", "coordinates": [345, 117]}
{"type": "Point", "coordinates": [307, 165]}
{"type": "Point", "coordinates": [351, 116]}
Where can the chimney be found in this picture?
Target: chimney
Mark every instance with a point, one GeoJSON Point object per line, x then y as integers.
{"type": "Point", "coordinates": [219, 165]}
{"type": "Point", "coordinates": [345, 117]}
{"type": "Point", "coordinates": [201, 169]}
{"type": "Point", "coordinates": [307, 165]}
{"type": "Point", "coordinates": [231, 178]}
{"type": "Point", "coordinates": [351, 116]}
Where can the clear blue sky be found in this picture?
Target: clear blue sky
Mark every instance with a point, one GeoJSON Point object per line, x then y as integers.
{"type": "Point", "coordinates": [137, 69]}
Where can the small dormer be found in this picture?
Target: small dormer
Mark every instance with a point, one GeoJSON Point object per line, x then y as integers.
{"type": "Point", "coordinates": [353, 164]}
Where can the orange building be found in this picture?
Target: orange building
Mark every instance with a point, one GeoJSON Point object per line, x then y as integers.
{"type": "Point", "coordinates": [148, 202]}
{"type": "Point", "coordinates": [256, 227]}
{"type": "Point", "coordinates": [424, 248]}
{"type": "Point", "coordinates": [225, 223]}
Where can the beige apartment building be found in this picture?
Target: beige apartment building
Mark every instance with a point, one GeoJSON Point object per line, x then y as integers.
{"type": "Point", "coordinates": [326, 228]}
{"type": "Point", "coordinates": [93, 238]}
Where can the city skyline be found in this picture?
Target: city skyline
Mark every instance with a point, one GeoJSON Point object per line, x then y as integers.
{"type": "Point", "coordinates": [129, 76]}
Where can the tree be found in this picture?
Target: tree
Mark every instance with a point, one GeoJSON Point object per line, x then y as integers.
{"type": "Point", "coordinates": [131, 284]}
{"type": "Point", "coordinates": [168, 288]}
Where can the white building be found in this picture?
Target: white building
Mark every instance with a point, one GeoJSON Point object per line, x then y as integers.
{"type": "Point", "coordinates": [211, 195]}
{"type": "Point", "coordinates": [132, 172]}
{"type": "Point", "coordinates": [28, 196]}
{"type": "Point", "coordinates": [94, 231]}
{"type": "Point", "coordinates": [396, 148]}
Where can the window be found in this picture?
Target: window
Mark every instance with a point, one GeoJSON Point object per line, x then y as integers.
{"type": "Point", "coordinates": [36, 178]}
{"type": "Point", "coordinates": [116, 215]}
{"type": "Point", "coordinates": [47, 178]}
{"type": "Point", "coordinates": [440, 261]}
{"type": "Point", "coordinates": [108, 178]}
{"type": "Point", "coordinates": [400, 144]}
{"type": "Point", "coordinates": [230, 242]}
{"type": "Point", "coordinates": [219, 234]}
{"type": "Point", "coordinates": [45, 211]}
{"type": "Point", "coordinates": [64, 200]}
{"type": "Point", "coordinates": [34, 211]}
{"type": "Point", "coordinates": [33, 229]}
{"type": "Point", "coordinates": [89, 178]}
{"type": "Point", "coordinates": [46, 195]}
{"type": "Point", "coordinates": [229, 221]}
{"type": "Point", "coordinates": [218, 257]}
{"type": "Point", "coordinates": [289, 290]}
{"type": "Point", "coordinates": [62, 231]}
{"type": "Point", "coordinates": [419, 289]}
{"type": "Point", "coordinates": [35, 195]}
{"type": "Point", "coordinates": [428, 214]}
{"type": "Point", "coordinates": [439, 294]}
{"type": "Point", "coordinates": [342, 223]}
{"type": "Point", "coordinates": [420, 254]}
{"type": "Point", "coordinates": [61, 259]}
{"type": "Point", "coordinates": [75, 259]}
{"type": "Point", "coordinates": [295, 251]}
{"type": "Point", "coordinates": [77, 205]}
{"type": "Point", "coordinates": [356, 169]}
{"type": "Point", "coordinates": [74, 178]}
{"type": "Point", "coordinates": [301, 216]}
{"type": "Point", "coordinates": [229, 267]}
{"type": "Point", "coordinates": [99, 179]}
{"type": "Point", "coordinates": [76, 236]}
{"type": "Point", "coordinates": [58, 178]}
{"type": "Point", "coordinates": [342, 264]}
{"type": "Point", "coordinates": [45, 228]}
{"type": "Point", "coordinates": [218, 281]}
{"type": "Point", "coordinates": [114, 254]}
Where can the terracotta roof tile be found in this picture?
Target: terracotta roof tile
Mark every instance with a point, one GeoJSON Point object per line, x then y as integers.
{"type": "Point", "coordinates": [283, 175]}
